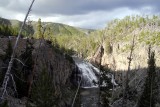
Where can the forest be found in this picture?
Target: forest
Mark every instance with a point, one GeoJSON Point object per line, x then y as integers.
{"type": "Point", "coordinates": [128, 48]}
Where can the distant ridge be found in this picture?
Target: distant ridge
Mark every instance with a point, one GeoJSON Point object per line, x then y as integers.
{"type": "Point", "coordinates": [56, 28]}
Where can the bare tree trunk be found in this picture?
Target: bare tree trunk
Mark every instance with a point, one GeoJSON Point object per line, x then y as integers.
{"type": "Point", "coordinates": [8, 72]}
{"type": "Point", "coordinates": [127, 74]}
{"type": "Point", "coordinates": [100, 68]}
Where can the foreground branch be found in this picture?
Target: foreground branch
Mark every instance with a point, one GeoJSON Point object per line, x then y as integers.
{"type": "Point", "coordinates": [8, 73]}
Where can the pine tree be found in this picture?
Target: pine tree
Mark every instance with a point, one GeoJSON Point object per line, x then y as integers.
{"type": "Point", "coordinates": [8, 50]}
{"type": "Point", "coordinates": [108, 47]}
{"type": "Point", "coordinates": [22, 72]}
{"type": "Point", "coordinates": [148, 96]}
{"type": "Point", "coordinates": [43, 92]}
{"type": "Point", "coordinates": [39, 29]}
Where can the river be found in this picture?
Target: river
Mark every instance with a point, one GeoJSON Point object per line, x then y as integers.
{"type": "Point", "coordinates": [88, 78]}
{"type": "Point", "coordinates": [88, 95]}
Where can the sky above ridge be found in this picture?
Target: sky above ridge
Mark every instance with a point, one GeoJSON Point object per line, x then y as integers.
{"type": "Point", "coordinates": [91, 14]}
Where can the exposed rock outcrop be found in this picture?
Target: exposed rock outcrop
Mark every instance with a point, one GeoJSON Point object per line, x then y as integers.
{"type": "Point", "coordinates": [97, 58]}
{"type": "Point", "coordinates": [44, 56]}
{"type": "Point", "coordinates": [118, 59]}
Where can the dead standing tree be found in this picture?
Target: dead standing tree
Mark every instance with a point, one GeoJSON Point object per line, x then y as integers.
{"type": "Point", "coordinates": [8, 74]}
{"type": "Point", "coordinates": [126, 86]}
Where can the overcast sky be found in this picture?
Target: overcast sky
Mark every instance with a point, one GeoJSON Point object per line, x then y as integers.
{"type": "Point", "coordinates": [92, 14]}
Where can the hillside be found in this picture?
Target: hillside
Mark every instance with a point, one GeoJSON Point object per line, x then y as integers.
{"type": "Point", "coordinates": [117, 34]}
{"type": "Point", "coordinates": [119, 37]}
{"type": "Point", "coordinates": [111, 48]}
{"type": "Point", "coordinates": [128, 49]}
{"type": "Point", "coordinates": [116, 38]}
{"type": "Point", "coordinates": [30, 28]}
{"type": "Point", "coordinates": [132, 72]}
{"type": "Point", "coordinates": [60, 29]}
{"type": "Point", "coordinates": [11, 28]}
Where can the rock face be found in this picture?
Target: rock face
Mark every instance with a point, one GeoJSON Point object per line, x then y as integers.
{"type": "Point", "coordinates": [97, 58]}
{"type": "Point", "coordinates": [56, 64]}
{"type": "Point", "coordinates": [118, 59]}
{"type": "Point", "coordinates": [44, 56]}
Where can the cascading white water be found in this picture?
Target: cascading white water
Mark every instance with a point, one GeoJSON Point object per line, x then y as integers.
{"type": "Point", "coordinates": [88, 76]}
{"type": "Point", "coordinates": [88, 72]}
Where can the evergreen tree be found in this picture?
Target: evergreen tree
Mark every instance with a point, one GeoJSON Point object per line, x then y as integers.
{"type": "Point", "coordinates": [108, 47]}
{"type": "Point", "coordinates": [39, 29]}
{"type": "Point", "coordinates": [47, 33]}
{"type": "Point", "coordinates": [22, 72]}
{"type": "Point", "coordinates": [43, 92]}
{"type": "Point", "coordinates": [148, 96]}
{"type": "Point", "coordinates": [0, 30]}
{"type": "Point", "coordinates": [105, 92]}
{"type": "Point", "coordinates": [8, 50]}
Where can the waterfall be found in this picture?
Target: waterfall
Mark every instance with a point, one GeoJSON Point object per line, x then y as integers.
{"type": "Point", "coordinates": [87, 72]}
{"type": "Point", "coordinates": [89, 75]}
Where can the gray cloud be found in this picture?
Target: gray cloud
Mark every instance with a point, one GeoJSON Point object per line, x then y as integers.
{"type": "Point", "coordinates": [74, 7]}
{"type": "Point", "coordinates": [78, 12]}
{"type": "Point", "coordinates": [4, 2]}
{"type": "Point", "coordinates": [97, 19]}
